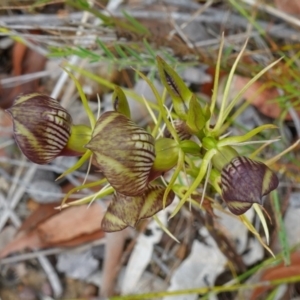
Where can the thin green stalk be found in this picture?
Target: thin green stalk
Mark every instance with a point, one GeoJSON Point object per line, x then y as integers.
{"type": "Point", "coordinates": [243, 90]}
{"type": "Point", "coordinates": [215, 289]}
{"type": "Point", "coordinates": [222, 113]}
{"type": "Point", "coordinates": [203, 169]}
{"type": "Point", "coordinates": [83, 99]}
{"type": "Point", "coordinates": [216, 82]}
{"type": "Point", "coordinates": [282, 234]}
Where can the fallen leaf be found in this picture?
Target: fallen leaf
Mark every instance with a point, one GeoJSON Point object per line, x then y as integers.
{"type": "Point", "coordinates": [288, 6]}
{"type": "Point", "coordinates": [5, 130]}
{"type": "Point", "coordinates": [25, 61]}
{"type": "Point", "coordinates": [70, 223]}
{"type": "Point", "coordinates": [258, 96]}
{"type": "Point", "coordinates": [278, 272]}
{"type": "Point", "coordinates": [85, 238]}
{"type": "Point", "coordinates": [29, 240]}
{"type": "Point", "coordinates": [70, 227]}
{"type": "Point", "coordinates": [42, 213]}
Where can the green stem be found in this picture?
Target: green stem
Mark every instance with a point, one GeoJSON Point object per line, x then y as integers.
{"type": "Point", "coordinates": [215, 289]}
{"type": "Point", "coordinates": [203, 169]}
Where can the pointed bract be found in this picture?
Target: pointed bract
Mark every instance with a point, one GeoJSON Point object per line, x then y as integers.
{"type": "Point", "coordinates": [244, 182]}
{"type": "Point", "coordinates": [176, 87]}
{"type": "Point", "coordinates": [166, 155]}
{"type": "Point", "coordinates": [195, 118]}
{"type": "Point", "coordinates": [120, 102]}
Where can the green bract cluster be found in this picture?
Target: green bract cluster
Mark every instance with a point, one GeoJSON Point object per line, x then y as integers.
{"type": "Point", "coordinates": [132, 159]}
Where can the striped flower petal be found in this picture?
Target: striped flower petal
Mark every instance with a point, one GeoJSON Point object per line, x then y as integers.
{"type": "Point", "coordinates": [123, 151]}
{"type": "Point", "coordinates": [244, 182]}
{"type": "Point", "coordinates": [125, 211]}
{"type": "Point", "coordinates": [41, 126]}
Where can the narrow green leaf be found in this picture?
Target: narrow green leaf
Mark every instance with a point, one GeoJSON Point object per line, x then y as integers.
{"type": "Point", "coordinates": [120, 51]}
{"type": "Point", "coordinates": [139, 26]}
{"type": "Point", "coordinates": [216, 82]}
{"type": "Point", "coordinates": [84, 5]}
{"type": "Point", "coordinates": [133, 53]}
{"type": "Point", "coordinates": [224, 104]}
{"type": "Point", "coordinates": [235, 140]}
{"type": "Point", "coordinates": [195, 117]}
{"type": "Point", "coordinates": [252, 229]}
{"type": "Point", "coordinates": [263, 221]}
{"type": "Point", "coordinates": [203, 169]}
{"type": "Point", "coordinates": [164, 228]}
{"type": "Point", "coordinates": [83, 98]}
{"type": "Point", "coordinates": [87, 53]}
{"type": "Point", "coordinates": [175, 174]}
{"type": "Point", "coordinates": [176, 87]}
{"type": "Point", "coordinates": [281, 230]}
{"type": "Point", "coordinates": [88, 199]}
{"type": "Point", "coordinates": [81, 187]}
{"type": "Point", "coordinates": [149, 49]}
{"type": "Point", "coordinates": [160, 105]}
{"type": "Point", "coordinates": [240, 93]}
{"type": "Point", "coordinates": [108, 53]}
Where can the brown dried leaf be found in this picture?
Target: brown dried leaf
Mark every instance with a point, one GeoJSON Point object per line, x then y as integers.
{"type": "Point", "coordinates": [278, 272]}
{"type": "Point", "coordinates": [260, 98]}
{"type": "Point", "coordinates": [25, 61]}
{"type": "Point", "coordinates": [71, 223]}
{"type": "Point", "coordinates": [85, 238]}
{"type": "Point", "coordinates": [27, 241]}
{"type": "Point", "coordinates": [42, 213]}
{"type": "Point", "coordinates": [288, 6]}
{"type": "Point", "coordinates": [69, 227]}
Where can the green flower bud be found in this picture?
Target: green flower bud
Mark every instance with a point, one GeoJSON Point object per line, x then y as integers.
{"type": "Point", "coordinates": [126, 211]}
{"type": "Point", "coordinates": [190, 147]}
{"type": "Point", "coordinates": [166, 157]}
{"type": "Point", "coordinates": [123, 151]}
{"type": "Point", "coordinates": [80, 136]}
{"type": "Point", "coordinates": [244, 182]}
{"type": "Point", "coordinates": [209, 142]}
{"type": "Point", "coordinates": [42, 126]}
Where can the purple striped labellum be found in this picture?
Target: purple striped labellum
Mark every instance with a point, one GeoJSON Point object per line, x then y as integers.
{"type": "Point", "coordinates": [42, 127]}
{"type": "Point", "coordinates": [244, 182]}
{"type": "Point", "coordinates": [123, 151]}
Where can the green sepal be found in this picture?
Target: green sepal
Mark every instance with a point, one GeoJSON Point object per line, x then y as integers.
{"type": "Point", "coordinates": [126, 211]}
{"type": "Point", "coordinates": [215, 180]}
{"type": "Point", "coordinates": [80, 136]}
{"type": "Point", "coordinates": [120, 102]}
{"type": "Point", "coordinates": [207, 112]}
{"type": "Point", "coordinates": [195, 117]}
{"type": "Point", "coordinates": [176, 87]}
{"type": "Point", "coordinates": [166, 154]}
{"type": "Point", "coordinates": [190, 147]}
